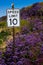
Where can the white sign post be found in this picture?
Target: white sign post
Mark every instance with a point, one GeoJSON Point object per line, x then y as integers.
{"type": "Point", "coordinates": [13, 20]}
{"type": "Point", "coordinates": [13, 17]}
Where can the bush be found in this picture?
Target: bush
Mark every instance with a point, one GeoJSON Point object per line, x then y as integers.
{"type": "Point", "coordinates": [0, 41]}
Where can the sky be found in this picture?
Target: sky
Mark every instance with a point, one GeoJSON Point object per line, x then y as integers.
{"type": "Point", "coordinates": [6, 4]}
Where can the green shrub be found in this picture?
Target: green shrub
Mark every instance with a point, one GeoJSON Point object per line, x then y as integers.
{"type": "Point", "coordinates": [1, 41]}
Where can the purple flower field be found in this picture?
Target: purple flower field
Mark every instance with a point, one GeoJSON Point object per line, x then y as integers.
{"type": "Point", "coordinates": [28, 46]}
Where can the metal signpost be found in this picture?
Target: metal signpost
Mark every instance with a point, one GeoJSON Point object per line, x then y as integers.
{"type": "Point", "coordinates": [13, 20]}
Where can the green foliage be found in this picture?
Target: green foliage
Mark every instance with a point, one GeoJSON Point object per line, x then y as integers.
{"type": "Point", "coordinates": [4, 34]}
{"type": "Point", "coordinates": [0, 41]}
{"type": "Point", "coordinates": [31, 26]}
{"type": "Point", "coordinates": [3, 24]}
{"type": "Point", "coordinates": [23, 22]}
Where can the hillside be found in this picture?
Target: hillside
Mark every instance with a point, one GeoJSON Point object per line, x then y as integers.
{"type": "Point", "coordinates": [31, 21]}
{"type": "Point", "coordinates": [34, 10]}
{"type": "Point", "coordinates": [3, 18]}
{"type": "Point", "coordinates": [26, 48]}
{"type": "Point", "coordinates": [26, 12]}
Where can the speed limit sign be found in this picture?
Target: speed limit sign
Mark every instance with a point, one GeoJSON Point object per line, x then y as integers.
{"type": "Point", "coordinates": [13, 17]}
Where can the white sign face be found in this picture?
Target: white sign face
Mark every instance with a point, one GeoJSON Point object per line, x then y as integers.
{"type": "Point", "coordinates": [13, 17]}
